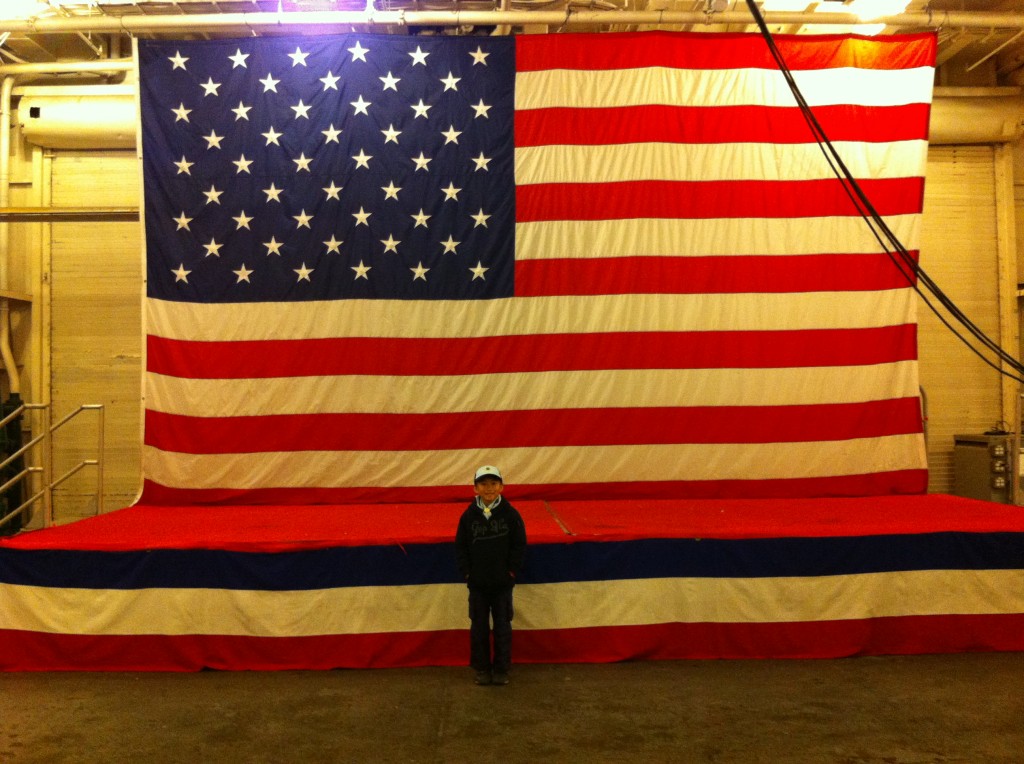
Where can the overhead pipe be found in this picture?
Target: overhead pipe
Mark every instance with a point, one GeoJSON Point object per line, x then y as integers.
{"type": "Point", "coordinates": [247, 23]}
{"type": "Point", "coordinates": [105, 66]}
{"type": "Point", "coordinates": [10, 365]}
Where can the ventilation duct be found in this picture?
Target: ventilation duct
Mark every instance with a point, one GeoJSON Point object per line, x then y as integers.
{"type": "Point", "coordinates": [80, 117]}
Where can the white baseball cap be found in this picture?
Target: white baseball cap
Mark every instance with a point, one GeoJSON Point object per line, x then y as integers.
{"type": "Point", "coordinates": [487, 471]}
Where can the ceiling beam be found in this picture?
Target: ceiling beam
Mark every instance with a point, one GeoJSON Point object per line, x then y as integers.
{"type": "Point", "coordinates": [344, 20]}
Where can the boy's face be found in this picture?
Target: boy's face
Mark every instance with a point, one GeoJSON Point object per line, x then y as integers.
{"type": "Point", "coordinates": [488, 489]}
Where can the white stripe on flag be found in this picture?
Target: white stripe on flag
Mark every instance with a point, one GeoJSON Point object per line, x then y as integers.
{"type": "Point", "coordinates": [739, 236]}
{"type": "Point", "coordinates": [547, 390]}
{"type": "Point", "coordinates": [714, 161]}
{"type": "Point", "coordinates": [537, 465]}
{"type": "Point", "coordinates": [441, 607]}
{"type": "Point", "coordinates": [536, 315]}
{"type": "Point", "coordinates": [719, 87]}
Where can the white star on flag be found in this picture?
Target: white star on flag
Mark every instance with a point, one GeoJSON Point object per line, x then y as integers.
{"type": "Point", "coordinates": [358, 52]}
{"type": "Point", "coordinates": [361, 106]}
{"type": "Point", "coordinates": [213, 248]}
{"type": "Point", "coordinates": [421, 162]}
{"type": "Point", "coordinates": [273, 246]}
{"type": "Point", "coordinates": [481, 162]}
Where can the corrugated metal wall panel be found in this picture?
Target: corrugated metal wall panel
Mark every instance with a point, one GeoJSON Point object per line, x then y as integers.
{"type": "Point", "coordinates": [959, 252]}
{"type": "Point", "coordinates": [96, 338]}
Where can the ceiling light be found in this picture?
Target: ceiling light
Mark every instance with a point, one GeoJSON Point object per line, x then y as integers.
{"type": "Point", "coordinates": [22, 9]}
{"type": "Point", "coordinates": [874, 9]}
{"type": "Point", "coordinates": [784, 5]}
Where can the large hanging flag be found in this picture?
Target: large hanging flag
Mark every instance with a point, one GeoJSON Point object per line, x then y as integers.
{"type": "Point", "coordinates": [616, 265]}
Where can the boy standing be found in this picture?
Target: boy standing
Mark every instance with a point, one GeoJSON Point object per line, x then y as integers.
{"type": "Point", "coordinates": [489, 547]}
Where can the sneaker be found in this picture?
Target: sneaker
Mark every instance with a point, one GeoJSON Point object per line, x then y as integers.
{"type": "Point", "coordinates": [500, 678]}
{"type": "Point", "coordinates": [483, 677]}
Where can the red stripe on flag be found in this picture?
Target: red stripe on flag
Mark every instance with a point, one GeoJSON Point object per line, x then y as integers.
{"type": "Point", "coordinates": [531, 429]}
{"type": "Point", "coordinates": [553, 352]}
{"type": "Point", "coordinates": [659, 123]}
{"type": "Point", "coordinates": [712, 199]}
{"type": "Point", "coordinates": [710, 275]}
{"type": "Point", "coordinates": [910, 481]}
{"type": "Point", "coordinates": [721, 51]}
{"type": "Point", "coordinates": [904, 635]}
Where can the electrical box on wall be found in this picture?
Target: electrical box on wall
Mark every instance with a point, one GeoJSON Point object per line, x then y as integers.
{"type": "Point", "coordinates": [983, 466]}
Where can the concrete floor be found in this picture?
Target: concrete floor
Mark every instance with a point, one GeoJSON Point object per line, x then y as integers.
{"type": "Point", "coordinates": [957, 708]}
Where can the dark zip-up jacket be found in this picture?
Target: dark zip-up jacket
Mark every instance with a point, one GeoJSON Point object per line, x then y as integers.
{"type": "Point", "coordinates": [490, 552]}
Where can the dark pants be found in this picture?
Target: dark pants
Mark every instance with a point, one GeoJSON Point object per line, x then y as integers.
{"type": "Point", "coordinates": [485, 604]}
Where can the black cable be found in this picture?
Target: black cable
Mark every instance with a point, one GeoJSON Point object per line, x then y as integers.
{"type": "Point", "coordinates": [908, 266]}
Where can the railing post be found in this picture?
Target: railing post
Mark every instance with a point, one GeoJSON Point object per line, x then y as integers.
{"type": "Point", "coordinates": [47, 468]}
{"type": "Point", "coordinates": [101, 413]}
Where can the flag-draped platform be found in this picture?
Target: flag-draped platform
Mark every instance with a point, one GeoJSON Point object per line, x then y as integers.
{"type": "Point", "coordinates": [318, 587]}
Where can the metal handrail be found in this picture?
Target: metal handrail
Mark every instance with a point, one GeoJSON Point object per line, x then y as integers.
{"type": "Point", "coordinates": [46, 492]}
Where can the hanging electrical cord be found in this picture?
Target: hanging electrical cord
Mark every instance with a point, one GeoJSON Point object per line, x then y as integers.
{"type": "Point", "coordinates": [905, 262]}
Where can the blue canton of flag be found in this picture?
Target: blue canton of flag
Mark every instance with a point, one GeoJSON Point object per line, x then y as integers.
{"type": "Point", "coordinates": [319, 168]}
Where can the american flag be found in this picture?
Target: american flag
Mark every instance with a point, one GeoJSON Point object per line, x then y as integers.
{"type": "Point", "coordinates": [616, 265]}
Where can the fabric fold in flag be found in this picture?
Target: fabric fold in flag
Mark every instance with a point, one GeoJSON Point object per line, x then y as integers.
{"type": "Point", "coordinates": [617, 264]}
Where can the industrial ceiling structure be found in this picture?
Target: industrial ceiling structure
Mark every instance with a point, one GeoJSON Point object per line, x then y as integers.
{"type": "Point", "coordinates": [981, 42]}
